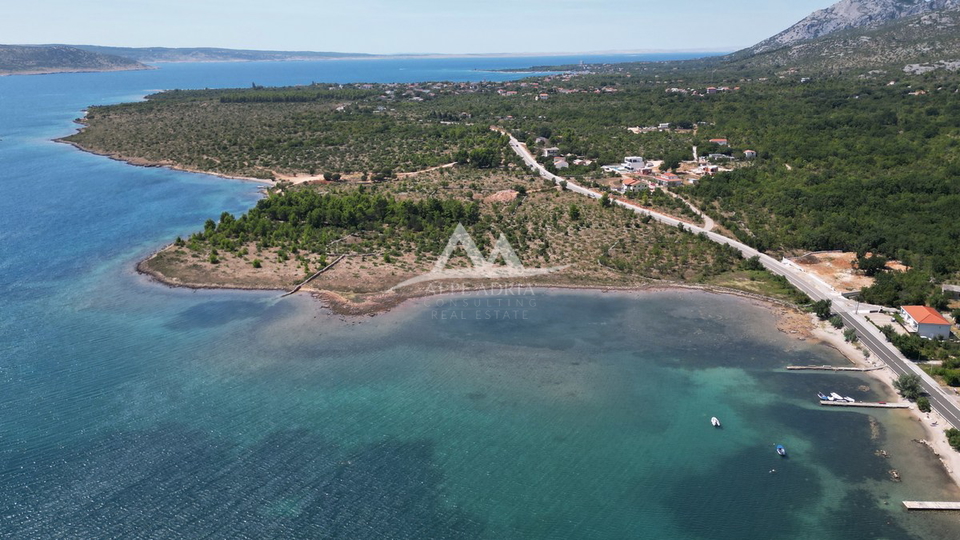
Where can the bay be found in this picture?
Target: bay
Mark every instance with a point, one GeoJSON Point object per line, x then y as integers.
{"type": "Point", "coordinates": [132, 410]}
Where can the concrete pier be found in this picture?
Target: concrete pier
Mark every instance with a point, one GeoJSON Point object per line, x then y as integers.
{"type": "Point", "coordinates": [931, 505]}
{"type": "Point", "coordinates": [867, 404]}
{"type": "Point", "coordinates": [831, 368]}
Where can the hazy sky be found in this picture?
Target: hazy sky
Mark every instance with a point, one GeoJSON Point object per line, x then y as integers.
{"type": "Point", "coordinates": [386, 26]}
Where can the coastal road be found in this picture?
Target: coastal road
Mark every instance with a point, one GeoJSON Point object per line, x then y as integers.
{"type": "Point", "coordinates": [816, 289]}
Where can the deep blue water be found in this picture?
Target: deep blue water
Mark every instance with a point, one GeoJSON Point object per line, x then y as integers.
{"type": "Point", "coordinates": [132, 410]}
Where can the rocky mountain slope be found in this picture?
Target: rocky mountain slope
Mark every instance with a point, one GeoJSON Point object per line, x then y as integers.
{"type": "Point", "coordinates": [850, 14]}
{"type": "Point", "coordinates": [922, 42]}
{"type": "Point", "coordinates": [22, 59]}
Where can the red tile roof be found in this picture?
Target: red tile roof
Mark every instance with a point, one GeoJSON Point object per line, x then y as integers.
{"type": "Point", "coordinates": [925, 315]}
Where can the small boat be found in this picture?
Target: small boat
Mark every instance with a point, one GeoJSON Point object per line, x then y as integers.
{"type": "Point", "coordinates": [849, 399]}
{"type": "Point", "coordinates": [823, 397]}
{"type": "Point", "coordinates": [715, 421]}
{"type": "Point", "coordinates": [781, 450]}
{"type": "Point", "coordinates": [836, 396]}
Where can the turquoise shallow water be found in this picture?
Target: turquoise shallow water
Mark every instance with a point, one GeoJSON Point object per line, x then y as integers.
{"type": "Point", "coordinates": [131, 410]}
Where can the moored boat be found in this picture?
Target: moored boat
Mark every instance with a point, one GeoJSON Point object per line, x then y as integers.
{"type": "Point", "coordinates": [781, 450]}
{"type": "Point", "coordinates": [823, 397]}
{"type": "Point", "coordinates": [836, 396]}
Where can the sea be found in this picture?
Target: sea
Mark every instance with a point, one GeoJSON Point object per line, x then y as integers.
{"type": "Point", "coordinates": [131, 410]}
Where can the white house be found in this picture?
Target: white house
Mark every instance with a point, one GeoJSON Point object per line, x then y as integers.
{"type": "Point", "coordinates": [551, 152]}
{"type": "Point", "coordinates": [669, 180]}
{"type": "Point", "coordinates": [925, 321]}
{"type": "Point", "coordinates": [633, 184]}
{"type": "Point", "coordinates": [634, 163]}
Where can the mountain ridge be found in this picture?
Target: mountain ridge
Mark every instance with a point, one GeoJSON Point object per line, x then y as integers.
{"type": "Point", "coordinates": [37, 59]}
{"type": "Point", "coordinates": [923, 42]}
{"type": "Point", "coordinates": [849, 15]}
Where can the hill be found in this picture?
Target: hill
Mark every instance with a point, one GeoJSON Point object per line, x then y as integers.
{"type": "Point", "coordinates": [850, 15]}
{"type": "Point", "coordinates": [931, 39]}
{"type": "Point", "coordinates": [211, 54]}
{"type": "Point", "coordinates": [27, 59]}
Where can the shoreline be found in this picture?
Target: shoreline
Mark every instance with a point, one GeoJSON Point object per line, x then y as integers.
{"type": "Point", "coordinates": [380, 302]}
{"type": "Point", "coordinates": [933, 424]}
{"type": "Point", "coordinates": [790, 321]}
{"type": "Point", "coordinates": [139, 162]}
{"type": "Point", "coordinates": [55, 71]}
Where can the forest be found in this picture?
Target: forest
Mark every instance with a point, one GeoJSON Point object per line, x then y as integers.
{"type": "Point", "coordinates": [309, 220]}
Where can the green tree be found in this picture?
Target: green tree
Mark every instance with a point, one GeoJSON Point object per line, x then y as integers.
{"type": "Point", "coordinates": [822, 309]}
{"type": "Point", "coordinates": [753, 263]}
{"type": "Point", "coordinates": [908, 385]}
{"type": "Point", "coordinates": [871, 265]}
{"type": "Point", "coordinates": [574, 212]}
{"type": "Point", "coordinates": [836, 321]}
{"type": "Point", "coordinates": [850, 335]}
{"type": "Point", "coordinates": [938, 301]}
{"type": "Point", "coordinates": [953, 437]}
{"type": "Point", "coordinates": [923, 403]}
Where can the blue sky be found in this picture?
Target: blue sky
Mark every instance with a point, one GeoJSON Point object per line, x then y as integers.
{"type": "Point", "coordinates": [420, 26]}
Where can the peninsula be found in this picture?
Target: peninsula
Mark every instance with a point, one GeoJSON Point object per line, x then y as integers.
{"type": "Point", "coordinates": [39, 59]}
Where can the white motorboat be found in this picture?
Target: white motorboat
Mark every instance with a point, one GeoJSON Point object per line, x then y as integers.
{"type": "Point", "coordinates": [715, 421]}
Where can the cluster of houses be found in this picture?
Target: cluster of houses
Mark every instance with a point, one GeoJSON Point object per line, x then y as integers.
{"type": "Point", "coordinates": [663, 126]}
{"type": "Point", "coordinates": [561, 162]}
{"type": "Point", "coordinates": [641, 174]}
{"type": "Point", "coordinates": [709, 91]}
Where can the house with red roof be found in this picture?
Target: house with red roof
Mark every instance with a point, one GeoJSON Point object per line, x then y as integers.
{"type": "Point", "coordinates": [633, 184]}
{"type": "Point", "coordinates": [721, 142]}
{"type": "Point", "coordinates": [925, 321]}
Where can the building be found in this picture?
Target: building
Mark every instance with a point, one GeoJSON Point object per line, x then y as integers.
{"type": "Point", "coordinates": [664, 125]}
{"type": "Point", "coordinates": [633, 184]}
{"type": "Point", "coordinates": [925, 321]}
{"type": "Point", "coordinates": [721, 142]}
{"type": "Point", "coordinates": [719, 157]}
{"type": "Point", "coordinates": [561, 163]}
{"type": "Point", "coordinates": [749, 154]}
{"type": "Point", "coordinates": [634, 163]}
{"type": "Point", "coordinates": [711, 90]}
{"type": "Point", "coordinates": [953, 291]}
{"type": "Point", "coordinates": [669, 180]}
{"type": "Point", "coordinates": [708, 169]}
{"type": "Point", "coordinates": [551, 152]}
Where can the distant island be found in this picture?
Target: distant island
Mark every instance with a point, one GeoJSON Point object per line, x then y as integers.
{"type": "Point", "coordinates": [214, 54]}
{"type": "Point", "coordinates": [56, 58]}
{"type": "Point", "coordinates": [39, 59]}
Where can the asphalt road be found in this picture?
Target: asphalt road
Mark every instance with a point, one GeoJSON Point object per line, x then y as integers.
{"type": "Point", "coordinates": [868, 334]}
